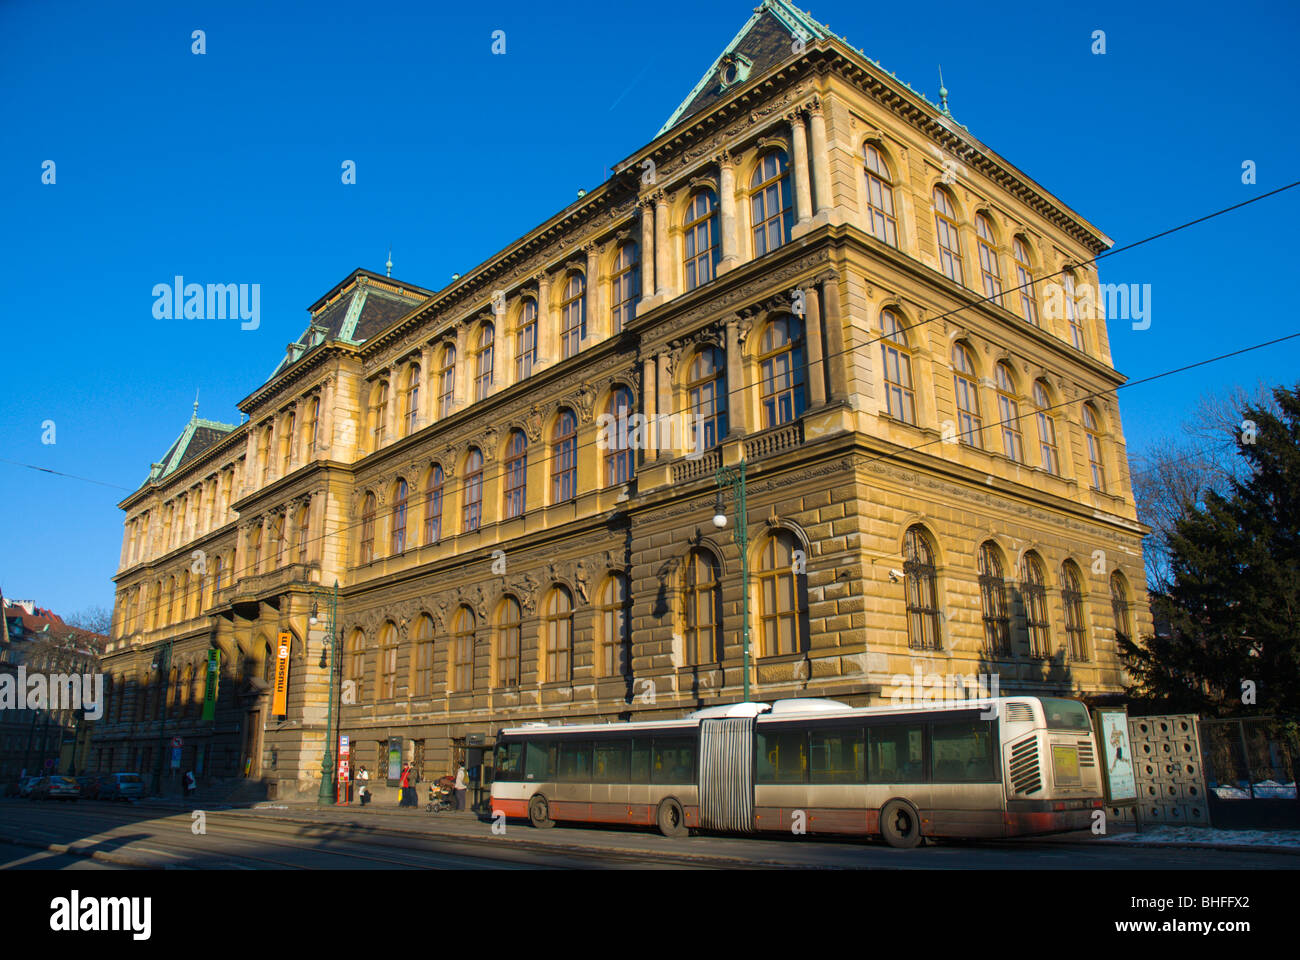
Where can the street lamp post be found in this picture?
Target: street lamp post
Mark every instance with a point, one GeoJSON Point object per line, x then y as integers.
{"type": "Point", "coordinates": [735, 476]}
{"type": "Point", "coordinates": [326, 796]}
{"type": "Point", "coordinates": [163, 664]}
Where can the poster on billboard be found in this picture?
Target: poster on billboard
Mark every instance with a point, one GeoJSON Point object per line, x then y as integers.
{"type": "Point", "coordinates": [1117, 755]}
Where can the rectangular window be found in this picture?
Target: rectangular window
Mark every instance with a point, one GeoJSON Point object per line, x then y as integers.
{"type": "Point", "coordinates": [510, 761]}
{"type": "Point", "coordinates": [575, 761]}
{"type": "Point", "coordinates": [837, 755]}
{"type": "Point", "coordinates": [640, 760]}
{"type": "Point", "coordinates": [611, 761]}
{"type": "Point", "coordinates": [895, 753]}
{"type": "Point", "coordinates": [539, 760]}
{"type": "Point", "coordinates": [962, 752]}
{"type": "Point", "coordinates": [673, 760]}
{"type": "Point", "coordinates": [782, 756]}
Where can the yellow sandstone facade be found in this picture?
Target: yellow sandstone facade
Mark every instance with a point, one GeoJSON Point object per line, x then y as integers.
{"type": "Point", "coordinates": [810, 270]}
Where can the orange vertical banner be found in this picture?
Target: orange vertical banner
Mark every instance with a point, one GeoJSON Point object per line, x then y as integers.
{"type": "Point", "coordinates": [280, 700]}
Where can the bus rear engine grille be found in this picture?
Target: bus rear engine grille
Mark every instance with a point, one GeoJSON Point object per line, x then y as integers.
{"type": "Point", "coordinates": [1025, 777]}
{"type": "Point", "coordinates": [1086, 758]}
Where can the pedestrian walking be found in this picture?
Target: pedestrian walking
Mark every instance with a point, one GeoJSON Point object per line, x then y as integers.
{"type": "Point", "coordinates": [363, 791]}
{"type": "Point", "coordinates": [460, 787]}
{"type": "Point", "coordinates": [405, 783]}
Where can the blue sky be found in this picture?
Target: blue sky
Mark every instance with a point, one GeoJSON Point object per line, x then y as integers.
{"type": "Point", "coordinates": [226, 168]}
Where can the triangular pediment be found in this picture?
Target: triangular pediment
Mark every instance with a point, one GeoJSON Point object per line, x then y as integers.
{"type": "Point", "coordinates": [766, 40]}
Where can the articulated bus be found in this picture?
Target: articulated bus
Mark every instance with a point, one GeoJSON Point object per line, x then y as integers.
{"type": "Point", "coordinates": [998, 767]}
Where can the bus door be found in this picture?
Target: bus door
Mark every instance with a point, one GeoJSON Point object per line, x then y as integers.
{"type": "Point", "coordinates": [727, 773]}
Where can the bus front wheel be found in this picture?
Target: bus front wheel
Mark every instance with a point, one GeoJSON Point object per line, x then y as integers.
{"type": "Point", "coordinates": [672, 819]}
{"type": "Point", "coordinates": [900, 825]}
{"type": "Point", "coordinates": [539, 814]}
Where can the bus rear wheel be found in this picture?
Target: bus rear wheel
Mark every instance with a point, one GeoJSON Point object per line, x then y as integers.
{"type": "Point", "coordinates": [672, 819]}
{"type": "Point", "coordinates": [900, 825]}
{"type": "Point", "coordinates": [539, 815]}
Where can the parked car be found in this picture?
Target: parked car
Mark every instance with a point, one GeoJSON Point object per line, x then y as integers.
{"type": "Point", "coordinates": [122, 786]}
{"type": "Point", "coordinates": [56, 788]}
{"type": "Point", "coordinates": [89, 787]}
{"type": "Point", "coordinates": [28, 786]}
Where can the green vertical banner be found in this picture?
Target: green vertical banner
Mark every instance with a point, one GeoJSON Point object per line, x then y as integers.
{"type": "Point", "coordinates": [210, 687]}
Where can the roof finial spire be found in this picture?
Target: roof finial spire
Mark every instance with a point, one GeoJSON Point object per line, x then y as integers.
{"type": "Point", "coordinates": [196, 404]}
{"type": "Point", "coordinates": [943, 94]}
{"type": "Point", "coordinates": [388, 271]}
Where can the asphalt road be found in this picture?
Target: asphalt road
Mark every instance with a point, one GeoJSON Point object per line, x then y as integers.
{"type": "Point", "coordinates": [306, 837]}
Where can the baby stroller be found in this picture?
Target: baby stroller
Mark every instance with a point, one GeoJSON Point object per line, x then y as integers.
{"type": "Point", "coordinates": [442, 795]}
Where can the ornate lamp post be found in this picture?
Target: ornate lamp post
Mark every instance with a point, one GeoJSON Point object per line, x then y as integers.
{"type": "Point", "coordinates": [326, 797]}
{"type": "Point", "coordinates": [735, 477]}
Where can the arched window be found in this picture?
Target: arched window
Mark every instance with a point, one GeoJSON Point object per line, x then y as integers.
{"type": "Point", "coordinates": [483, 362]}
{"type": "Point", "coordinates": [180, 611]}
{"type": "Point", "coordinates": [302, 526]}
{"type": "Point", "coordinates": [397, 540]}
{"type": "Point", "coordinates": [367, 539]}
{"type": "Point", "coordinates": [781, 369]}
{"type": "Point", "coordinates": [969, 423]}
{"type": "Point", "coordinates": [1025, 280]}
{"type": "Point", "coordinates": [988, 258]}
{"type": "Point", "coordinates": [422, 671]}
{"type": "Point", "coordinates": [1072, 603]}
{"type": "Point", "coordinates": [612, 625]}
{"type": "Point", "coordinates": [1051, 459]}
{"type": "Point", "coordinates": [472, 509]}
{"type": "Point", "coordinates": [707, 393]}
{"type": "Point", "coordinates": [701, 233]}
{"type": "Point", "coordinates": [900, 398]}
{"type": "Point", "coordinates": [412, 408]}
{"type": "Point", "coordinates": [993, 595]}
{"type": "Point", "coordinates": [379, 414]}
{"type": "Point", "coordinates": [619, 463]}
{"type": "Point", "coordinates": [1009, 413]}
{"type": "Point", "coordinates": [880, 197]}
{"type": "Point", "coordinates": [564, 457]}
{"type": "Point", "coordinates": [387, 661]}
{"type": "Point", "coordinates": [625, 286]}
{"type": "Point", "coordinates": [173, 692]}
{"type": "Point", "coordinates": [255, 547]}
{"type": "Point", "coordinates": [1092, 431]}
{"type": "Point", "coordinates": [218, 572]}
{"type": "Point", "coordinates": [945, 227]}
{"type": "Point", "coordinates": [573, 311]}
{"type": "Point", "coordinates": [1033, 591]}
{"type": "Point", "coordinates": [782, 596]}
{"type": "Point", "coordinates": [447, 381]}
{"type": "Point", "coordinates": [526, 339]}
{"type": "Point", "coordinates": [354, 666]}
{"type": "Point", "coordinates": [277, 542]}
{"type": "Point", "coordinates": [701, 608]}
{"type": "Point", "coordinates": [1072, 311]}
{"type": "Point", "coordinates": [1119, 608]}
{"type": "Point", "coordinates": [558, 629]}
{"type": "Point", "coordinates": [186, 688]}
{"type": "Point", "coordinates": [462, 651]}
{"type": "Point", "coordinates": [508, 642]}
{"type": "Point", "coordinates": [286, 443]}
{"type": "Point", "coordinates": [310, 429]}
{"type": "Point", "coordinates": [922, 591]}
{"type": "Point", "coordinates": [433, 505]}
{"type": "Point", "coordinates": [516, 474]}
{"type": "Point", "coordinates": [769, 202]}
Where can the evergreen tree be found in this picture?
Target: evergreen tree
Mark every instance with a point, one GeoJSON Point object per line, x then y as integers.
{"type": "Point", "coordinates": [1233, 604]}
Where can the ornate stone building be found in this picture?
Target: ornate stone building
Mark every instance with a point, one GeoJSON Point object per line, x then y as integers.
{"type": "Point", "coordinates": [811, 270]}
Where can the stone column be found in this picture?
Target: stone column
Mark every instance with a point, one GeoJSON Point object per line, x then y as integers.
{"type": "Point", "coordinates": [821, 158]}
{"type": "Point", "coordinates": [813, 330]}
{"type": "Point", "coordinates": [662, 265]}
{"type": "Point", "coordinates": [427, 387]}
{"type": "Point", "coordinates": [325, 429]}
{"type": "Point", "coordinates": [836, 360]}
{"type": "Point", "coordinates": [647, 256]}
{"type": "Point", "coordinates": [727, 213]}
{"type": "Point", "coordinates": [664, 403]}
{"type": "Point", "coordinates": [394, 404]}
{"type": "Point", "coordinates": [545, 322]}
{"type": "Point", "coordinates": [597, 321]}
{"type": "Point", "coordinates": [648, 394]}
{"type": "Point", "coordinates": [737, 394]}
{"type": "Point", "coordinates": [271, 466]}
{"type": "Point", "coordinates": [503, 365]}
{"type": "Point", "coordinates": [296, 457]}
{"type": "Point", "coordinates": [290, 528]}
{"type": "Point", "coordinates": [462, 398]}
{"type": "Point", "coordinates": [802, 191]}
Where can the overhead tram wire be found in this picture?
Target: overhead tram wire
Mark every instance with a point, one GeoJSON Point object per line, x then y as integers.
{"type": "Point", "coordinates": [732, 390]}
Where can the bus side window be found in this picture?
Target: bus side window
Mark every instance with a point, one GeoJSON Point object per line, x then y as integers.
{"type": "Point", "coordinates": [895, 754]}
{"type": "Point", "coordinates": [673, 760]}
{"type": "Point", "coordinates": [962, 752]}
{"type": "Point", "coordinates": [611, 761]}
{"type": "Point", "coordinates": [575, 761]}
{"type": "Point", "coordinates": [836, 755]}
{"type": "Point", "coordinates": [782, 756]}
{"type": "Point", "coordinates": [510, 757]}
{"type": "Point", "coordinates": [641, 760]}
{"type": "Point", "coordinates": [539, 761]}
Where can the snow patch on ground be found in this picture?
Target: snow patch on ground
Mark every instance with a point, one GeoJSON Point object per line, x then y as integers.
{"type": "Point", "coordinates": [1201, 836]}
{"type": "Point", "coordinates": [1264, 790]}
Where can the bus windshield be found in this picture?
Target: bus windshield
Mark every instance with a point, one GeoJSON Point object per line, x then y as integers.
{"type": "Point", "coordinates": [1065, 714]}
